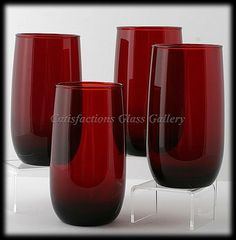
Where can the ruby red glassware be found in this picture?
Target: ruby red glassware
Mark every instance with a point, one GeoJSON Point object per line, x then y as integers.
{"type": "Point", "coordinates": [132, 65]}
{"type": "Point", "coordinates": [87, 170]}
{"type": "Point", "coordinates": [41, 60]}
{"type": "Point", "coordinates": [185, 145]}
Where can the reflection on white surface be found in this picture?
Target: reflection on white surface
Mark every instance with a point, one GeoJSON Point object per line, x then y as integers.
{"type": "Point", "coordinates": [35, 215]}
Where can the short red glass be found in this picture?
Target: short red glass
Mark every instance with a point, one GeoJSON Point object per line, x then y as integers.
{"type": "Point", "coordinates": [186, 114]}
{"type": "Point", "coordinates": [87, 170]}
{"type": "Point", "coordinates": [41, 60]}
{"type": "Point", "coordinates": [132, 65]}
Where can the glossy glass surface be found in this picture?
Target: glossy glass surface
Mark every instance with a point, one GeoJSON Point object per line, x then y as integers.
{"type": "Point", "coordinates": [40, 61]}
{"type": "Point", "coordinates": [87, 171]}
{"type": "Point", "coordinates": [132, 65]}
{"type": "Point", "coordinates": [186, 82]}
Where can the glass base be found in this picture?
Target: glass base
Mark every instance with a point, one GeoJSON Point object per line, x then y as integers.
{"type": "Point", "coordinates": [196, 207]}
{"type": "Point", "coordinates": [17, 174]}
{"type": "Point", "coordinates": [36, 159]}
{"type": "Point", "coordinates": [134, 150]}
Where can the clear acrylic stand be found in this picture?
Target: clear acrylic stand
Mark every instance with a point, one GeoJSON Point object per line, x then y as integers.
{"type": "Point", "coordinates": [17, 183]}
{"type": "Point", "coordinates": [198, 204]}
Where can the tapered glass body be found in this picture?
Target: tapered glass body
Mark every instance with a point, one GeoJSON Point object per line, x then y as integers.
{"type": "Point", "coordinates": [40, 61]}
{"type": "Point", "coordinates": [87, 171]}
{"type": "Point", "coordinates": [185, 145]}
{"type": "Point", "coordinates": [132, 65]}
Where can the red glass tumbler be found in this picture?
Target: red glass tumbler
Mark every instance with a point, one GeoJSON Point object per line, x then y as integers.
{"type": "Point", "coordinates": [132, 65]}
{"type": "Point", "coordinates": [186, 114]}
{"type": "Point", "coordinates": [41, 60]}
{"type": "Point", "coordinates": [87, 169]}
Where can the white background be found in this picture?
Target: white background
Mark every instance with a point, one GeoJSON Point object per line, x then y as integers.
{"type": "Point", "coordinates": [97, 27]}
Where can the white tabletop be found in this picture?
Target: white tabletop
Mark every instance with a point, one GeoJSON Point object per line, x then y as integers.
{"type": "Point", "coordinates": [35, 214]}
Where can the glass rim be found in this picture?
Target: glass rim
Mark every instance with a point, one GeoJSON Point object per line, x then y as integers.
{"type": "Point", "coordinates": [89, 85]}
{"type": "Point", "coordinates": [187, 46]}
{"type": "Point", "coordinates": [144, 28]}
{"type": "Point", "coordinates": [47, 35]}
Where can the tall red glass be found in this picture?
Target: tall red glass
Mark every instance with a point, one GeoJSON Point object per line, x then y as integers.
{"type": "Point", "coordinates": [132, 65]}
{"type": "Point", "coordinates": [186, 93]}
{"type": "Point", "coordinates": [87, 170]}
{"type": "Point", "coordinates": [41, 60]}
